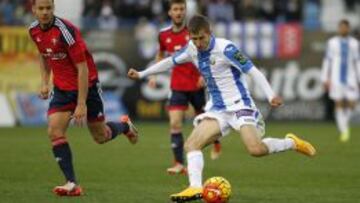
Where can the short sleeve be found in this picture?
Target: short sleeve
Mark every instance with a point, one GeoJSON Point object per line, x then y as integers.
{"type": "Point", "coordinates": [237, 59]}
{"type": "Point", "coordinates": [182, 56]}
{"type": "Point", "coordinates": [74, 43]}
{"type": "Point", "coordinates": [77, 49]}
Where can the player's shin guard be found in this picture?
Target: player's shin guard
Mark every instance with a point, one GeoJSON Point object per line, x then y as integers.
{"type": "Point", "coordinates": [117, 128]}
{"type": "Point", "coordinates": [275, 145]}
{"type": "Point", "coordinates": [63, 156]}
{"type": "Point", "coordinates": [177, 145]}
{"type": "Point", "coordinates": [195, 162]}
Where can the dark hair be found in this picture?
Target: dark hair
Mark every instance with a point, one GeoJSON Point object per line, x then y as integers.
{"type": "Point", "coordinates": [171, 2]}
{"type": "Point", "coordinates": [344, 22]}
{"type": "Point", "coordinates": [34, 1]}
{"type": "Point", "coordinates": [197, 23]}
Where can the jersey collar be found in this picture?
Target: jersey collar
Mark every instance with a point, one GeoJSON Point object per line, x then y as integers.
{"type": "Point", "coordinates": [51, 24]}
{"type": "Point", "coordinates": [211, 44]}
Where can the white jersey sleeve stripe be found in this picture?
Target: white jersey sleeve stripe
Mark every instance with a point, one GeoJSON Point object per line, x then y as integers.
{"type": "Point", "coordinates": [65, 32]}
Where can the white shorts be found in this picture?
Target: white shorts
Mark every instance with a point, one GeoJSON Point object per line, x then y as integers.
{"type": "Point", "coordinates": [234, 120]}
{"type": "Point", "coordinates": [341, 92]}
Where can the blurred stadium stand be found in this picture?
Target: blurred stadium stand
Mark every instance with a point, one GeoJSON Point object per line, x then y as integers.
{"type": "Point", "coordinates": [111, 14]}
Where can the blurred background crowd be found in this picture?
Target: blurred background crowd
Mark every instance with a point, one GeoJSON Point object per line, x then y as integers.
{"type": "Point", "coordinates": [111, 14]}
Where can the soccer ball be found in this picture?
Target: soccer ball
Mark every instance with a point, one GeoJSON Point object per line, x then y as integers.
{"type": "Point", "coordinates": [216, 190]}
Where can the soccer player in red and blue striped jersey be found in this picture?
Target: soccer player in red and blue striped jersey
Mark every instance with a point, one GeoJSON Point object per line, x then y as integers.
{"type": "Point", "coordinates": [76, 90]}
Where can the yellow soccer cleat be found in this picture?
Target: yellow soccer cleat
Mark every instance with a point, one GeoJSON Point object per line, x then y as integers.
{"type": "Point", "coordinates": [345, 136]}
{"type": "Point", "coordinates": [302, 146]}
{"type": "Point", "coordinates": [189, 194]}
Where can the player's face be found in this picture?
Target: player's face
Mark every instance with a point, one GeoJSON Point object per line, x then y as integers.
{"type": "Point", "coordinates": [43, 11]}
{"type": "Point", "coordinates": [343, 29]}
{"type": "Point", "coordinates": [201, 39]}
{"type": "Point", "coordinates": [177, 13]}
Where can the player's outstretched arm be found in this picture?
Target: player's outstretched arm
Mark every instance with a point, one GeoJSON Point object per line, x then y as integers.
{"type": "Point", "coordinates": [152, 79]}
{"type": "Point", "coordinates": [45, 79]}
{"type": "Point", "coordinates": [159, 67]}
{"type": "Point", "coordinates": [259, 78]}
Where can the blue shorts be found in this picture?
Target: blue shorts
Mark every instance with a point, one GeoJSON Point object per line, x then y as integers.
{"type": "Point", "coordinates": [179, 100]}
{"type": "Point", "coordinates": [66, 101]}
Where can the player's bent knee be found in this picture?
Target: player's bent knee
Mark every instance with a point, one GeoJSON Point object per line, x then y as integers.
{"type": "Point", "coordinates": [175, 126]}
{"type": "Point", "coordinates": [191, 146]}
{"type": "Point", "coordinates": [54, 133]}
{"type": "Point", "coordinates": [99, 139]}
{"type": "Point", "coordinates": [257, 151]}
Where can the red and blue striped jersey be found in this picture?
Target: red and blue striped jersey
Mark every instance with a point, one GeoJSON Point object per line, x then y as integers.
{"type": "Point", "coordinates": [62, 47]}
{"type": "Point", "coordinates": [184, 77]}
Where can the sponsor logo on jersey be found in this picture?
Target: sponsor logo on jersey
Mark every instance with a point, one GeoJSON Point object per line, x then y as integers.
{"type": "Point", "coordinates": [54, 41]}
{"type": "Point", "coordinates": [168, 40]}
{"type": "Point", "coordinates": [244, 112]}
{"type": "Point", "coordinates": [240, 57]}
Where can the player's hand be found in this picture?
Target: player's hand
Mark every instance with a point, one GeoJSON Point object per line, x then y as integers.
{"type": "Point", "coordinates": [152, 81]}
{"type": "Point", "coordinates": [201, 82]}
{"type": "Point", "coordinates": [276, 101]}
{"type": "Point", "coordinates": [326, 85]}
{"type": "Point", "coordinates": [133, 74]}
{"type": "Point", "coordinates": [79, 115]}
{"type": "Point", "coordinates": [44, 92]}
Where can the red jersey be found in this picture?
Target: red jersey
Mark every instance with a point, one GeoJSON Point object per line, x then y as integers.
{"type": "Point", "coordinates": [62, 47]}
{"type": "Point", "coordinates": [184, 77]}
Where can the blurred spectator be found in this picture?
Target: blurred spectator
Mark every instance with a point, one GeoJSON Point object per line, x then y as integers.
{"type": "Point", "coordinates": [268, 10]}
{"type": "Point", "coordinates": [144, 9]}
{"type": "Point", "coordinates": [293, 10]}
{"type": "Point", "coordinates": [1, 20]}
{"type": "Point", "coordinates": [220, 10]}
{"type": "Point", "coordinates": [350, 4]}
{"type": "Point", "coordinates": [289, 10]}
{"type": "Point", "coordinates": [146, 35]}
{"type": "Point", "coordinates": [107, 19]}
{"type": "Point", "coordinates": [90, 13]}
{"type": "Point", "coordinates": [7, 9]}
{"type": "Point", "coordinates": [247, 10]}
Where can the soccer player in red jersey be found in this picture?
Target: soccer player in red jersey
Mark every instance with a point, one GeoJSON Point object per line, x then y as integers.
{"type": "Point", "coordinates": [76, 91]}
{"type": "Point", "coordinates": [186, 83]}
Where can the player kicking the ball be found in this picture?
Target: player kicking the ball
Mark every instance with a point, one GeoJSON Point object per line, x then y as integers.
{"type": "Point", "coordinates": [76, 92]}
{"type": "Point", "coordinates": [186, 84]}
{"type": "Point", "coordinates": [230, 105]}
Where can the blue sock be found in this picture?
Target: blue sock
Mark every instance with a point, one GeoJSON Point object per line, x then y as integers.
{"type": "Point", "coordinates": [117, 128]}
{"type": "Point", "coordinates": [177, 145]}
{"type": "Point", "coordinates": [63, 156]}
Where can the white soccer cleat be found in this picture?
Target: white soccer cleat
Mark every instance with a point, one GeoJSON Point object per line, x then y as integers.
{"type": "Point", "coordinates": [178, 168]}
{"type": "Point", "coordinates": [69, 189]}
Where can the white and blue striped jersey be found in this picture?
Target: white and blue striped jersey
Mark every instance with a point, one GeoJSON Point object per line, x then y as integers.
{"type": "Point", "coordinates": [341, 65]}
{"type": "Point", "coordinates": [223, 67]}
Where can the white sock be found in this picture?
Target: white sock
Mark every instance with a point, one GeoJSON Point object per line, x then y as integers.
{"type": "Point", "coordinates": [195, 161]}
{"type": "Point", "coordinates": [275, 145]}
{"type": "Point", "coordinates": [341, 120]}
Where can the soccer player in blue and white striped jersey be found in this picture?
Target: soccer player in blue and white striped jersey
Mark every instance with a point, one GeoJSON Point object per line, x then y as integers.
{"type": "Point", "coordinates": [341, 76]}
{"type": "Point", "coordinates": [230, 104]}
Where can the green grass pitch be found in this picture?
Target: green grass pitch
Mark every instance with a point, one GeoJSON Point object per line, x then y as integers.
{"type": "Point", "coordinates": [120, 172]}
